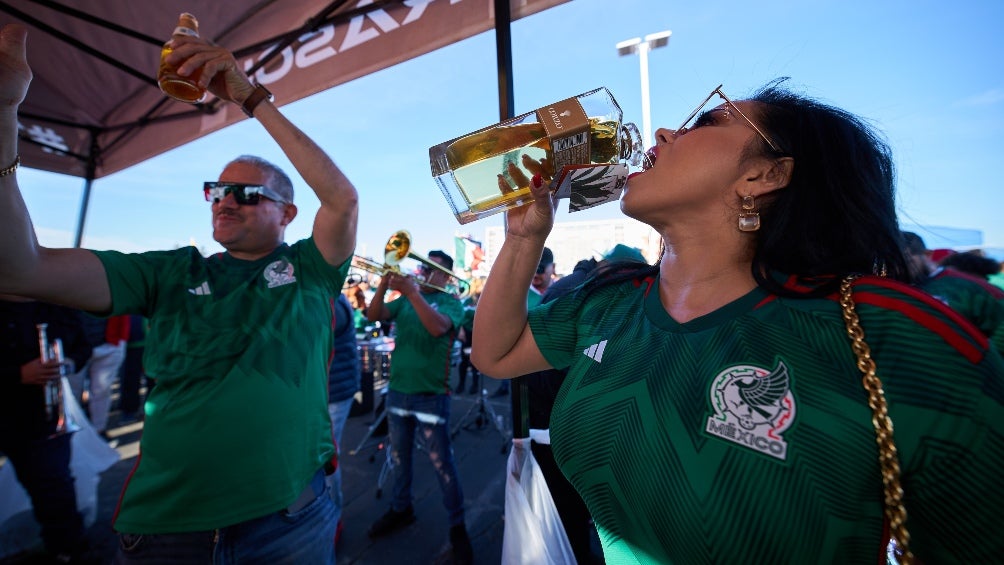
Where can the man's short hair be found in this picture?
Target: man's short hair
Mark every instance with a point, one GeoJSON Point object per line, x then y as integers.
{"type": "Point", "coordinates": [546, 259]}
{"type": "Point", "coordinates": [278, 180]}
{"type": "Point", "coordinates": [446, 260]}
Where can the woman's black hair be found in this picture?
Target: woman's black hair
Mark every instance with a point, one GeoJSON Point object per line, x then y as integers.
{"type": "Point", "coordinates": [838, 213]}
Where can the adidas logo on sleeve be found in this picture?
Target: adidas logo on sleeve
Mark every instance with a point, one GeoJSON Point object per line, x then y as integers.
{"type": "Point", "coordinates": [595, 351]}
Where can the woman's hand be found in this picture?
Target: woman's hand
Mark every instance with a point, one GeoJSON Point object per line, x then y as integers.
{"type": "Point", "coordinates": [533, 220]}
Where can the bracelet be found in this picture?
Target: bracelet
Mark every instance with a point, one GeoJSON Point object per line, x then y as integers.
{"type": "Point", "coordinates": [257, 96]}
{"type": "Point", "coordinates": [13, 167]}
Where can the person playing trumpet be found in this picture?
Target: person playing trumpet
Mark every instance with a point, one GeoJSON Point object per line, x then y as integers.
{"type": "Point", "coordinates": [28, 435]}
{"type": "Point", "coordinates": [418, 399]}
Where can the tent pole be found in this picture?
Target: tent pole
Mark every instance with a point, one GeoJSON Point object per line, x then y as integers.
{"type": "Point", "coordinates": [90, 172]}
{"type": "Point", "coordinates": [78, 238]}
{"type": "Point", "coordinates": [503, 50]}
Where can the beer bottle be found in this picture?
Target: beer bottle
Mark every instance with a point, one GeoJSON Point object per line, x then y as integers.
{"type": "Point", "coordinates": [185, 89]}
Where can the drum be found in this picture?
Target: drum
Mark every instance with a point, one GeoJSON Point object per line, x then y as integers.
{"type": "Point", "coordinates": [369, 369]}
{"type": "Point", "coordinates": [367, 357]}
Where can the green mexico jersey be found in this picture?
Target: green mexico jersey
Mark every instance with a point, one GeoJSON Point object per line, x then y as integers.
{"type": "Point", "coordinates": [238, 423]}
{"type": "Point", "coordinates": [421, 362]}
{"type": "Point", "coordinates": [745, 436]}
{"type": "Point", "coordinates": [979, 302]}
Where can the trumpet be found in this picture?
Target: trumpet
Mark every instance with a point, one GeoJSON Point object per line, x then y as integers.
{"type": "Point", "coordinates": [398, 249]}
{"type": "Point", "coordinates": [55, 405]}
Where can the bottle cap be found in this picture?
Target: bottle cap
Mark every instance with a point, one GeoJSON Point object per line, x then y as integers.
{"type": "Point", "coordinates": [188, 20]}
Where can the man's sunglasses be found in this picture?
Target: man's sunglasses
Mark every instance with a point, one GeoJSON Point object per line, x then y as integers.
{"type": "Point", "coordinates": [244, 194]}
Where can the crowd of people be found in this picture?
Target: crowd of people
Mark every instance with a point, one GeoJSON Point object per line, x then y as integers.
{"type": "Point", "coordinates": [728, 370]}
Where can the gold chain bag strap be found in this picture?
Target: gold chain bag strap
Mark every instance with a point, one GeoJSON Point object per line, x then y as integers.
{"type": "Point", "coordinates": [895, 512]}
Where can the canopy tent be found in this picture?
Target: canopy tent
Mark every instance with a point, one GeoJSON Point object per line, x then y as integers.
{"type": "Point", "coordinates": [94, 107]}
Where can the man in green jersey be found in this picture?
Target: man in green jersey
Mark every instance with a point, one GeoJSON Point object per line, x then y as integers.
{"type": "Point", "coordinates": [237, 434]}
{"type": "Point", "coordinates": [426, 321]}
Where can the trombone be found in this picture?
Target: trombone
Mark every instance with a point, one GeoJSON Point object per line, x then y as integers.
{"type": "Point", "coordinates": [398, 249]}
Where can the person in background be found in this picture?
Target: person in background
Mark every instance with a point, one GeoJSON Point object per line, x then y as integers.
{"type": "Point", "coordinates": [998, 278]}
{"type": "Point", "coordinates": [970, 295]}
{"type": "Point", "coordinates": [542, 278]}
{"type": "Point", "coordinates": [28, 435]}
{"type": "Point", "coordinates": [418, 399]}
{"type": "Point", "coordinates": [972, 263]}
{"type": "Point", "coordinates": [343, 381]}
{"type": "Point", "coordinates": [714, 410]}
{"type": "Point", "coordinates": [108, 337]}
{"type": "Point", "coordinates": [464, 336]}
{"type": "Point", "coordinates": [357, 299]}
{"type": "Point", "coordinates": [131, 376]}
{"type": "Point", "coordinates": [238, 438]}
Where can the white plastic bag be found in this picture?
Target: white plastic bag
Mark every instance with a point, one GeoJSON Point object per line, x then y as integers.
{"type": "Point", "coordinates": [90, 457]}
{"type": "Point", "coordinates": [533, 532]}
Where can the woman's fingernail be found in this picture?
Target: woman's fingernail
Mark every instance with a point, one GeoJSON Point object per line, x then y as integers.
{"type": "Point", "coordinates": [537, 181]}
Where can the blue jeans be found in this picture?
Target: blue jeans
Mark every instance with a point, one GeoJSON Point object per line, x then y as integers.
{"type": "Point", "coordinates": [339, 411]}
{"type": "Point", "coordinates": [43, 468]}
{"type": "Point", "coordinates": [429, 415]}
{"type": "Point", "coordinates": [306, 535]}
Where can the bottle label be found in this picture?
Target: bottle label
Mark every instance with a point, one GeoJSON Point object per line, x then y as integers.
{"type": "Point", "coordinates": [586, 186]}
{"type": "Point", "coordinates": [185, 31]}
{"type": "Point", "coordinates": [567, 127]}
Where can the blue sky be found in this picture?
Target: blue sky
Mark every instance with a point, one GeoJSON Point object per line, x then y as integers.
{"type": "Point", "coordinates": [927, 74]}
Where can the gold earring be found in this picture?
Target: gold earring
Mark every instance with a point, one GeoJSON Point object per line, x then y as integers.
{"type": "Point", "coordinates": [749, 218]}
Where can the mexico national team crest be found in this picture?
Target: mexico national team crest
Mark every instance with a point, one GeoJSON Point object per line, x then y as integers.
{"type": "Point", "coordinates": [753, 407]}
{"type": "Point", "coordinates": [279, 272]}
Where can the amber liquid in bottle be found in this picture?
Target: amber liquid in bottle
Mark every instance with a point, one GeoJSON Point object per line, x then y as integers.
{"type": "Point", "coordinates": [185, 89]}
{"type": "Point", "coordinates": [477, 160]}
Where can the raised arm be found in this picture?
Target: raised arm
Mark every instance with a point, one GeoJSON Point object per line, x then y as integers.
{"type": "Point", "coordinates": [503, 345]}
{"type": "Point", "coordinates": [73, 277]}
{"type": "Point", "coordinates": [335, 224]}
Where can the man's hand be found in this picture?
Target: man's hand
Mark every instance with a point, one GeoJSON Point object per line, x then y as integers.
{"type": "Point", "coordinates": [36, 372]}
{"type": "Point", "coordinates": [15, 74]}
{"type": "Point", "coordinates": [220, 73]}
{"type": "Point", "coordinates": [403, 284]}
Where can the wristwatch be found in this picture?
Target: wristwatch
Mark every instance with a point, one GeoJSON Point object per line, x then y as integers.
{"type": "Point", "coordinates": [259, 94]}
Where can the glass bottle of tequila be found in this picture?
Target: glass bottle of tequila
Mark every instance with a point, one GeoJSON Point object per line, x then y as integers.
{"type": "Point", "coordinates": [185, 89]}
{"type": "Point", "coordinates": [473, 171]}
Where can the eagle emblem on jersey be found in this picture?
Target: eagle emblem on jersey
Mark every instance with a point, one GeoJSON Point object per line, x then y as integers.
{"type": "Point", "coordinates": [753, 406]}
{"type": "Point", "coordinates": [279, 273]}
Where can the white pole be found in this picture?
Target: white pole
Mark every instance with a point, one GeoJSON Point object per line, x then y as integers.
{"type": "Point", "coordinates": [646, 117]}
{"type": "Point", "coordinates": [642, 47]}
